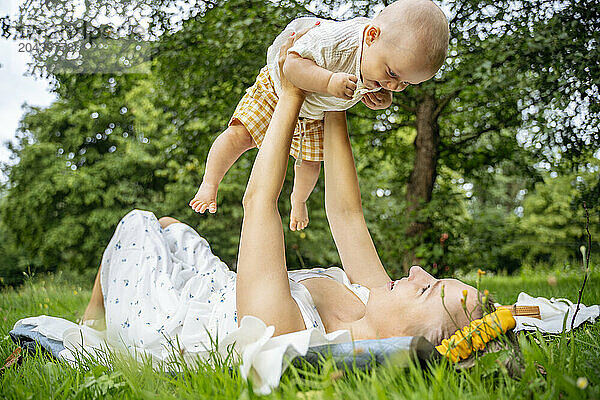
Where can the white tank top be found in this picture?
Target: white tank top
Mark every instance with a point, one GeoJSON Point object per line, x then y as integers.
{"type": "Point", "coordinates": [305, 302]}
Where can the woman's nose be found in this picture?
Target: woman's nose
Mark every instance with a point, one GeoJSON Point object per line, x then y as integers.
{"type": "Point", "coordinates": [419, 274]}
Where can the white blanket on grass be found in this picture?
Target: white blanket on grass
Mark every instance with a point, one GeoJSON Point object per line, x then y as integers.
{"type": "Point", "coordinates": [553, 313]}
{"type": "Point", "coordinates": [262, 358]}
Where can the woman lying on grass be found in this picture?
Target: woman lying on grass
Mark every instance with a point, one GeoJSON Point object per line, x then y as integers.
{"type": "Point", "coordinates": [159, 279]}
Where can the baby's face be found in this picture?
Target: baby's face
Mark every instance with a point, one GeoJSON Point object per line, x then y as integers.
{"type": "Point", "coordinates": [387, 64]}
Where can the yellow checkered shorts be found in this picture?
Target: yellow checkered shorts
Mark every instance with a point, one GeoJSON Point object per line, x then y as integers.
{"type": "Point", "coordinates": [256, 108]}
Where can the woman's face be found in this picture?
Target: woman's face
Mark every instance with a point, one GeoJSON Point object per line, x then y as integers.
{"type": "Point", "coordinates": [413, 305]}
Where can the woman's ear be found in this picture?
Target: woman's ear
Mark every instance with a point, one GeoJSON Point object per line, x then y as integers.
{"type": "Point", "coordinates": [371, 34]}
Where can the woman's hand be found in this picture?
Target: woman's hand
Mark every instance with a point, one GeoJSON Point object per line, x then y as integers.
{"type": "Point", "coordinates": [286, 86]}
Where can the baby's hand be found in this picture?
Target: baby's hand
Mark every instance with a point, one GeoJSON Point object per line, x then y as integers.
{"type": "Point", "coordinates": [342, 85]}
{"type": "Point", "coordinates": [377, 100]}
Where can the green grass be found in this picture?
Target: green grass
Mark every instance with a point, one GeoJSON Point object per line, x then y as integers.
{"type": "Point", "coordinates": [552, 363]}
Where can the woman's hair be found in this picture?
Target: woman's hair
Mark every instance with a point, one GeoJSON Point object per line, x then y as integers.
{"type": "Point", "coordinates": [448, 323]}
{"type": "Point", "coordinates": [512, 360]}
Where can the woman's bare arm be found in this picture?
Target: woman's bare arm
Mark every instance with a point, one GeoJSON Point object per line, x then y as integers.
{"type": "Point", "coordinates": [263, 288]}
{"type": "Point", "coordinates": [344, 209]}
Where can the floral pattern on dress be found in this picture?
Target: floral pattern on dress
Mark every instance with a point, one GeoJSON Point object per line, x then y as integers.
{"type": "Point", "coordinates": [160, 284]}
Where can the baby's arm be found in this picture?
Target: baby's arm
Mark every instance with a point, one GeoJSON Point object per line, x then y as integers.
{"type": "Point", "coordinates": [307, 75]}
{"type": "Point", "coordinates": [379, 100]}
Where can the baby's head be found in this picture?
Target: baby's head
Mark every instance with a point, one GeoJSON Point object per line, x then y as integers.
{"type": "Point", "coordinates": [405, 44]}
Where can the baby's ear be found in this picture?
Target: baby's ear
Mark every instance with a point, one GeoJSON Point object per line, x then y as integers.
{"type": "Point", "coordinates": [371, 34]}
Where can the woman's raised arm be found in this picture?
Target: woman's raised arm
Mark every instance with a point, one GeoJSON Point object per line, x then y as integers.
{"type": "Point", "coordinates": [263, 288]}
{"type": "Point", "coordinates": [344, 209]}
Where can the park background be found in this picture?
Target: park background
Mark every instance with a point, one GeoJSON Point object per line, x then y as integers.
{"type": "Point", "coordinates": [488, 165]}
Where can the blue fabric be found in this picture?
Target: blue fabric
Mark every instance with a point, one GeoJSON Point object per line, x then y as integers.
{"type": "Point", "coordinates": [365, 353]}
{"type": "Point", "coordinates": [25, 337]}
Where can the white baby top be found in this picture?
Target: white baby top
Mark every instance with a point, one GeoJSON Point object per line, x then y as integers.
{"type": "Point", "coordinates": [305, 301]}
{"type": "Point", "coordinates": [166, 283]}
{"type": "Point", "coordinates": [335, 46]}
{"type": "Point", "coordinates": [335, 273]}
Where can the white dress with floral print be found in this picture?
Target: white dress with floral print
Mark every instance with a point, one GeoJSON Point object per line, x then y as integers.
{"type": "Point", "coordinates": [159, 284]}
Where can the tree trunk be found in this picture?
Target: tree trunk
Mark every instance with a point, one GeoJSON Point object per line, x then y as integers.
{"type": "Point", "coordinates": [424, 173]}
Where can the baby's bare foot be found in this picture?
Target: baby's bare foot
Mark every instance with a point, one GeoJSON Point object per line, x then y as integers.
{"type": "Point", "coordinates": [298, 215]}
{"type": "Point", "coordinates": [205, 198]}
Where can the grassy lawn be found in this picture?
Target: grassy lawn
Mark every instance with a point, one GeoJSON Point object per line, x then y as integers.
{"type": "Point", "coordinates": [552, 364]}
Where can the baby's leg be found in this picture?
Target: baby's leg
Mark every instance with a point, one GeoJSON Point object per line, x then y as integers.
{"type": "Point", "coordinates": [226, 149]}
{"type": "Point", "coordinates": [305, 178]}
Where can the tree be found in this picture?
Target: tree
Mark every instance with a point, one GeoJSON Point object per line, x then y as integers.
{"type": "Point", "coordinates": [83, 161]}
{"type": "Point", "coordinates": [486, 88]}
{"type": "Point", "coordinates": [485, 111]}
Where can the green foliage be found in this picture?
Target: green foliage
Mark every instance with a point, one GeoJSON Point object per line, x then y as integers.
{"type": "Point", "coordinates": [552, 218]}
{"type": "Point", "coordinates": [113, 142]}
{"type": "Point", "coordinates": [563, 60]}
{"type": "Point", "coordinates": [82, 164]}
{"type": "Point", "coordinates": [14, 260]}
